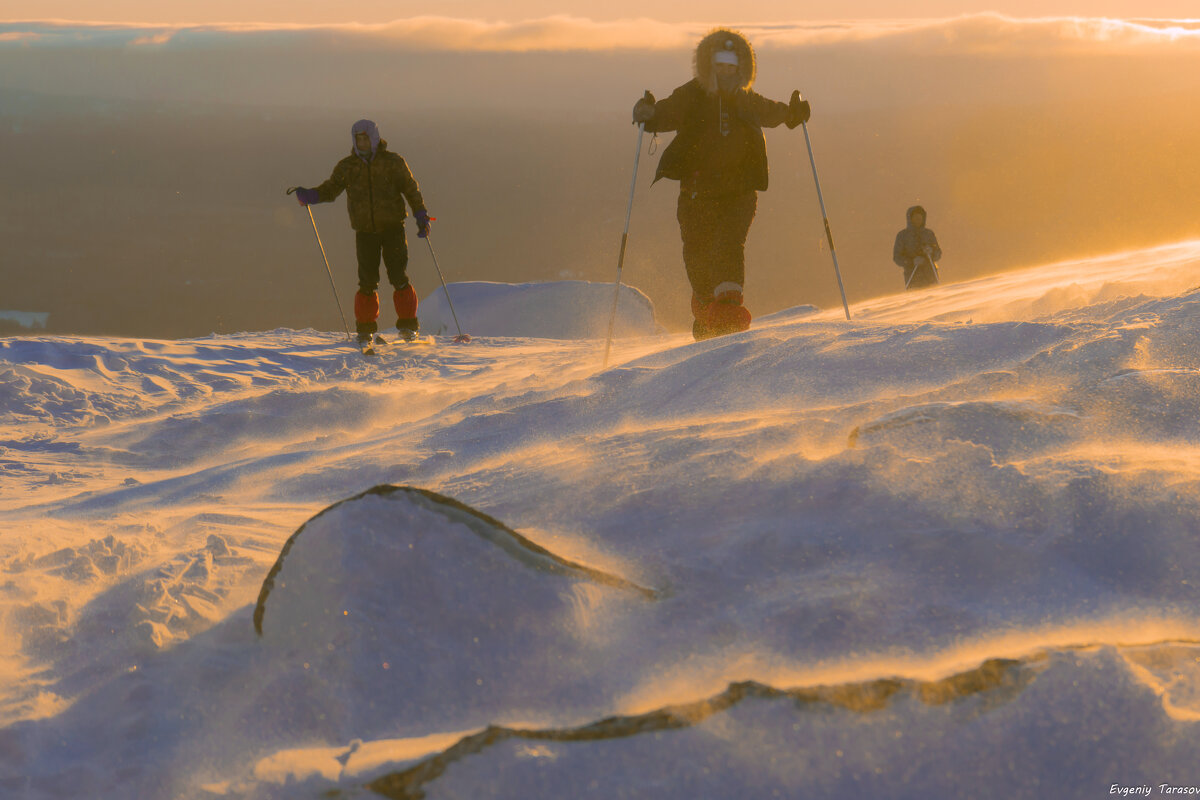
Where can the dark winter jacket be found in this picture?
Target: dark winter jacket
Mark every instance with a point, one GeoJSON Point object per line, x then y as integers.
{"type": "Point", "coordinates": [376, 187]}
{"type": "Point", "coordinates": [912, 241]}
{"type": "Point", "coordinates": [719, 146]}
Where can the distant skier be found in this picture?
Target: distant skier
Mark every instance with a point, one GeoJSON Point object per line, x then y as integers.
{"type": "Point", "coordinates": [917, 251]}
{"type": "Point", "coordinates": [377, 182]}
{"type": "Point", "coordinates": [719, 157]}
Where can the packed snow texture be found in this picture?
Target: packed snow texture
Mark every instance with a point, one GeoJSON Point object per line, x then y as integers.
{"type": "Point", "coordinates": [945, 549]}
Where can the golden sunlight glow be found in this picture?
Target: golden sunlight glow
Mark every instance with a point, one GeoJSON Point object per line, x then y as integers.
{"type": "Point", "coordinates": [985, 33]}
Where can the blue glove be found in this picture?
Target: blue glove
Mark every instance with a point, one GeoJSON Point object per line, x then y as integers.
{"type": "Point", "coordinates": [423, 220]}
{"type": "Point", "coordinates": [307, 197]}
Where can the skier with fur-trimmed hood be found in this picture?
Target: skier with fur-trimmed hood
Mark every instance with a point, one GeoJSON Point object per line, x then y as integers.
{"type": "Point", "coordinates": [377, 182]}
{"type": "Point", "coordinates": [719, 157]}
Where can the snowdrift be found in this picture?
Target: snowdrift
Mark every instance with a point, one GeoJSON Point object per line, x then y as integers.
{"type": "Point", "coordinates": [400, 598]}
{"type": "Point", "coordinates": [550, 310]}
{"type": "Point", "coordinates": [945, 549]}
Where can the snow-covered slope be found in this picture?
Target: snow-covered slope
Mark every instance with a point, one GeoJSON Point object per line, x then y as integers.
{"type": "Point", "coordinates": [546, 310]}
{"type": "Point", "coordinates": [945, 549]}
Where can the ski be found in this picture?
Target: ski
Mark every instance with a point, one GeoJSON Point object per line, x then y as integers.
{"type": "Point", "coordinates": [367, 345]}
{"type": "Point", "coordinates": [376, 345]}
{"type": "Point", "coordinates": [406, 339]}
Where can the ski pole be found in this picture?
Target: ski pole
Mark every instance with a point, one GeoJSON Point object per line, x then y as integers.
{"type": "Point", "coordinates": [612, 318]}
{"type": "Point", "coordinates": [328, 271]}
{"type": "Point", "coordinates": [937, 273]}
{"type": "Point", "coordinates": [462, 337]}
{"type": "Point", "coordinates": [825, 217]}
{"type": "Point", "coordinates": [937, 278]}
{"type": "Point", "coordinates": [911, 275]}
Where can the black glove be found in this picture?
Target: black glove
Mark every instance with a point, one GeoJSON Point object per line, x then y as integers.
{"type": "Point", "coordinates": [643, 109]}
{"type": "Point", "coordinates": [799, 110]}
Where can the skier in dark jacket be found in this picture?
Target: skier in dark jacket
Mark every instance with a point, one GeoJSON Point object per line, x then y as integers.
{"type": "Point", "coordinates": [719, 157]}
{"type": "Point", "coordinates": [916, 251]}
{"type": "Point", "coordinates": [377, 182]}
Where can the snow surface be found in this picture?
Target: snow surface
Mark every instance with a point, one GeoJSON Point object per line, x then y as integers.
{"type": "Point", "coordinates": [946, 549]}
{"type": "Point", "coordinates": [544, 310]}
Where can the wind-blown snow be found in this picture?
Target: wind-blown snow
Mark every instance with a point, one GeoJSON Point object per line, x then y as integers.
{"type": "Point", "coordinates": [547, 310]}
{"type": "Point", "coordinates": [948, 548]}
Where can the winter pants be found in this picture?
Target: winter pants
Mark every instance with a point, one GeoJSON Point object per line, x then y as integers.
{"type": "Point", "coordinates": [393, 247]}
{"type": "Point", "coordinates": [714, 230]}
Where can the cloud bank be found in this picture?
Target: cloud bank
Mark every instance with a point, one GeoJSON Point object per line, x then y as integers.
{"type": "Point", "coordinates": [977, 34]}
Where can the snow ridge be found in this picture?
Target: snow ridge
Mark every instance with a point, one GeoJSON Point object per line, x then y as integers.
{"type": "Point", "coordinates": [486, 526]}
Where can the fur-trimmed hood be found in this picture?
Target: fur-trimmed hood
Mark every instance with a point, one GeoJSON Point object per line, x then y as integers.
{"type": "Point", "coordinates": [724, 39]}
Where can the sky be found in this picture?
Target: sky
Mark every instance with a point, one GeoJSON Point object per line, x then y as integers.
{"type": "Point", "coordinates": [1016, 134]}
{"type": "Point", "coordinates": [374, 11]}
